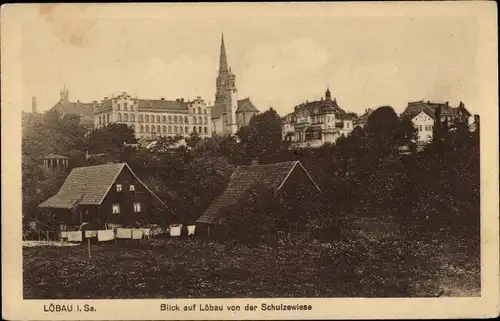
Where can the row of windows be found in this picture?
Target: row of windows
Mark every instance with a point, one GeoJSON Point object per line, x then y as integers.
{"type": "Point", "coordinates": [116, 208]}
{"type": "Point", "coordinates": [125, 106]}
{"type": "Point", "coordinates": [427, 128]}
{"type": "Point", "coordinates": [199, 110]}
{"type": "Point", "coordinates": [172, 129]}
{"type": "Point", "coordinates": [146, 119]}
{"type": "Point", "coordinates": [119, 188]}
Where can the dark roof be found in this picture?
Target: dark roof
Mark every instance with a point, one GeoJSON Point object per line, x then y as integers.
{"type": "Point", "coordinates": [54, 156]}
{"type": "Point", "coordinates": [160, 105]}
{"type": "Point", "coordinates": [244, 105]}
{"type": "Point", "coordinates": [321, 106]}
{"type": "Point", "coordinates": [244, 178]}
{"type": "Point", "coordinates": [429, 108]}
{"type": "Point", "coordinates": [88, 186]}
{"type": "Point", "coordinates": [84, 110]}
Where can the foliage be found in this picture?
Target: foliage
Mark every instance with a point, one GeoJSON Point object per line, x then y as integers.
{"type": "Point", "coordinates": [110, 138]}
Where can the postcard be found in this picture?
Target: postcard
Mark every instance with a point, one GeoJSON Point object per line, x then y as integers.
{"type": "Point", "coordinates": [230, 161]}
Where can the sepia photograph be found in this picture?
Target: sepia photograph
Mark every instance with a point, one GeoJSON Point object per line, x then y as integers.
{"type": "Point", "coordinates": [187, 151]}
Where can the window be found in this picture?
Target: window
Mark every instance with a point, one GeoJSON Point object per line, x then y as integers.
{"type": "Point", "coordinates": [194, 129]}
{"type": "Point", "coordinates": [147, 128]}
{"type": "Point", "coordinates": [186, 120]}
{"type": "Point", "coordinates": [107, 118]}
{"type": "Point", "coordinates": [164, 129]}
{"type": "Point", "coordinates": [147, 119]}
{"type": "Point", "coordinates": [116, 208]}
{"type": "Point", "coordinates": [152, 118]}
{"type": "Point", "coordinates": [205, 111]}
{"type": "Point", "coordinates": [169, 119]}
{"type": "Point", "coordinates": [118, 107]}
{"type": "Point", "coordinates": [180, 129]}
{"type": "Point", "coordinates": [194, 120]}
{"type": "Point", "coordinates": [170, 129]}
{"type": "Point", "coordinates": [419, 128]}
{"type": "Point", "coordinates": [125, 106]}
{"type": "Point", "coordinates": [199, 110]}
{"type": "Point", "coordinates": [99, 120]}
{"type": "Point", "coordinates": [125, 117]}
{"type": "Point", "coordinates": [132, 118]}
{"type": "Point", "coordinates": [175, 129]}
{"type": "Point", "coordinates": [118, 187]}
{"type": "Point", "coordinates": [132, 188]}
{"type": "Point", "coordinates": [158, 129]}
{"type": "Point", "coordinates": [206, 119]}
{"type": "Point", "coordinates": [157, 118]}
{"type": "Point", "coordinates": [199, 120]}
{"type": "Point", "coordinates": [205, 130]}
{"type": "Point", "coordinates": [164, 119]}
{"type": "Point", "coordinates": [199, 129]}
{"type": "Point", "coordinates": [186, 129]}
{"type": "Point", "coordinates": [119, 117]}
{"type": "Point", "coordinates": [137, 207]}
{"type": "Point", "coordinates": [142, 129]}
{"type": "Point", "coordinates": [141, 119]}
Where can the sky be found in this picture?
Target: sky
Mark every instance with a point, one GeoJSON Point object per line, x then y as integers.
{"type": "Point", "coordinates": [280, 58]}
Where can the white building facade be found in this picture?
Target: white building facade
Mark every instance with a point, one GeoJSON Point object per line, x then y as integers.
{"type": "Point", "coordinates": [155, 117]}
{"type": "Point", "coordinates": [312, 124]}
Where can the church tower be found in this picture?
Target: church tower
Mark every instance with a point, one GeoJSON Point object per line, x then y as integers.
{"type": "Point", "coordinates": [64, 94]}
{"type": "Point", "coordinates": [226, 93]}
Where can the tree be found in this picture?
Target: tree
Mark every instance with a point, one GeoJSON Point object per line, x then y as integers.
{"type": "Point", "coordinates": [261, 139]}
{"type": "Point", "coordinates": [110, 138]}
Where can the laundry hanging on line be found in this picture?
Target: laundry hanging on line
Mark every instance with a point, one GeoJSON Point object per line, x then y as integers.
{"type": "Point", "coordinates": [105, 235]}
{"type": "Point", "coordinates": [75, 236]}
{"type": "Point", "coordinates": [175, 230]}
{"type": "Point", "coordinates": [123, 233]}
{"type": "Point", "coordinates": [137, 234]}
{"type": "Point", "coordinates": [89, 234]}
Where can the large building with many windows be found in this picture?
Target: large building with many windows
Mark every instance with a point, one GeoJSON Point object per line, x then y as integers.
{"type": "Point", "coordinates": [155, 117]}
{"type": "Point", "coordinates": [315, 123]}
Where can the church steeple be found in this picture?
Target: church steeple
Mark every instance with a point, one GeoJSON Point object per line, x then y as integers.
{"type": "Point", "coordinates": [223, 59]}
{"type": "Point", "coordinates": [328, 95]}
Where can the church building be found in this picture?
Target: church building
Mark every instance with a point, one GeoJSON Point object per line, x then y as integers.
{"type": "Point", "coordinates": [229, 113]}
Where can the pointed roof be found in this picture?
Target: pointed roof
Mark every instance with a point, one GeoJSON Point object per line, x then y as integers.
{"type": "Point", "coordinates": [223, 59]}
{"type": "Point", "coordinates": [245, 177]}
{"type": "Point", "coordinates": [429, 108]}
{"type": "Point", "coordinates": [88, 186]}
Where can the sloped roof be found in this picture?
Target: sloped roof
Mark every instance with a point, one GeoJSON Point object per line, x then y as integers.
{"type": "Point", "coordinates": [87, 186]}
{"type": "Point", "coordinates": [54, 156]}
{"type": "Point", "coordinates": [160, 104]}
{"type": "Point", "coordinates": [84, 110]}
{"type": "Point", "coordinates": [321, 106]}
{"type": "Point", "coordinates": [244, 105]}
{"type": "Point", "coordinates": [244, 178]}
{"type": "Point", "coordinates": [429, 108]}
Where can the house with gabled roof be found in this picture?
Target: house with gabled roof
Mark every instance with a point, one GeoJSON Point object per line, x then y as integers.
{"type": "Point", "coordinates": [423, 114]}
{"type": "Point", "coordinates": [102, 194]}
{"type": "Point", "coordinates": [287, 178]}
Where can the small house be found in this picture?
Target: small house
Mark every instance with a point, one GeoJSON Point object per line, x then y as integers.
{"type": "Point", "coordinates": [102, 194]}
{"type": "Point", "coordinates": [287, 178]}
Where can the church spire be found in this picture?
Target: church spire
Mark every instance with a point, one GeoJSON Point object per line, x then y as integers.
{"type": "Point", "coordinates": [223, 59]}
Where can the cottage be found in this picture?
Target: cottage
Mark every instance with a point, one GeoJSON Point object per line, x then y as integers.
{"type": "Point", "coordinates": [100, 195]}
{"type": "Point", "coordinates": [290, 178]}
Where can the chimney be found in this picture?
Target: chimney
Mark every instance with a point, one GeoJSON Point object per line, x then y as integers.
{"type": "Point", "coordinates": [33, 105]}
{"type": "Point", "coordinates": [255, 161]}
{"type": "Point", "coordinates": [447, 103]}
{"type": "Point", "coordinates": [162, 98]}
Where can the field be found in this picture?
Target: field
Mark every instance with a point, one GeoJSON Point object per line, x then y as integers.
{"type": "Point", "coordinates": [374, 262]}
